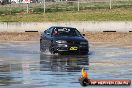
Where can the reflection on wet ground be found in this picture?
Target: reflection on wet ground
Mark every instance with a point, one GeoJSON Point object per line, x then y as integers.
{"type": "Point", "coordinates": [63, 63]}
{"type": "Point", "coordinates": [23, 66]}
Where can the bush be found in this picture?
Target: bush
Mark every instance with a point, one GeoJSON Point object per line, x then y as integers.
{"type": "Point", "coordinates": [11, 11]}
{"type": "Point", "coordinates": [38, 10]}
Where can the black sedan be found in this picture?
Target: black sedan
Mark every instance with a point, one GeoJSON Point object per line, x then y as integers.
{"type": "Point", "coordinates": [63, 40]}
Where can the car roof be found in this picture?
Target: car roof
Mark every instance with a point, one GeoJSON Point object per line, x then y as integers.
{"type": "Point", "coordinates": [61, 27]}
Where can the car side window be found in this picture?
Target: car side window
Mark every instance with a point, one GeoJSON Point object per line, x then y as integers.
{"type": "Point", "coordinates": [49, 31]}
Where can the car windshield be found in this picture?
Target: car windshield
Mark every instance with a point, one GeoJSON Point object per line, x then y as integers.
{"type": "Point", "coordinates": [61, 31]}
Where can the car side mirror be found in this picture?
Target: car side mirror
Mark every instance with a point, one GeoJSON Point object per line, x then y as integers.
{"type": "Point", "coordinates": [45, 31]}
{"type": "Point", "coordinates": [83, 34]}
{"type": "Point", "coordinates": [48, 33]}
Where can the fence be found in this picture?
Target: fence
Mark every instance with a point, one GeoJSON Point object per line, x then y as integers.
{"type": "Point", "coordinates": [83, 26]}
{"type": "Point", "coordinates": [59, 6]}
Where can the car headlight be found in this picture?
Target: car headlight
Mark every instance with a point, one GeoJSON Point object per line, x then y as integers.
{"type": "Point", "coordinates": [61, 41]}
{"type": "Point", "coordinates": [83, 42]}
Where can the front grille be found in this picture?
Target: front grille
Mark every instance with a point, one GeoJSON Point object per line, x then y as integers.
{"type": "Point", "coordinates": [73, 42]}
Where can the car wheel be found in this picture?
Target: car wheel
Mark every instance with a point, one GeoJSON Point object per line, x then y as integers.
{"type": "Point", "coordinates": [51, 50]}
{"type": "Point", "coordinates": [42, 48]}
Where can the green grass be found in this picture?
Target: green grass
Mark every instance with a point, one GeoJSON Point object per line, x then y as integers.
{"type": "Point", "coordinates": [86, 15]}
{"type": "Point", "coordinates": [68, 12]}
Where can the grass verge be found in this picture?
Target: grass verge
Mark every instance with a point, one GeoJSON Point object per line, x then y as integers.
{"type": "Point", "coordinates": [119, 14]}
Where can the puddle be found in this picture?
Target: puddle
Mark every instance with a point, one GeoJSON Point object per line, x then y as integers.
{"type": "Point", "coordinates": [23, 66]}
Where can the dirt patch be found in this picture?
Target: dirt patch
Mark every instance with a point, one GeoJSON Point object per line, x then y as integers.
{"type": "Point", "coordinates": [21, 36]}
{"type": "Point", "coordinates": [117, 37]}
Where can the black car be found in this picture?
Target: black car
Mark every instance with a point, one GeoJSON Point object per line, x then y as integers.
{"type": "Point", "coordinates": [63, 40]}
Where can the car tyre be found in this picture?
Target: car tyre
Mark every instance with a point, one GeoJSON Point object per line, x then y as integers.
{"type": "Point", "coordinates": [51, 50]}
{"type": "Point", "coordinates": [42, 48]}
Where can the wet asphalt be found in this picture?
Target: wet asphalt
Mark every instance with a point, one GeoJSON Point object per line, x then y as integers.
{"type": "Point", "coordinates": [22, 65]}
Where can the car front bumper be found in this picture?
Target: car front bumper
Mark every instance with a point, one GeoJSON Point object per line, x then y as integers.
{"type": "Point", "coordinates": [72, 48]}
